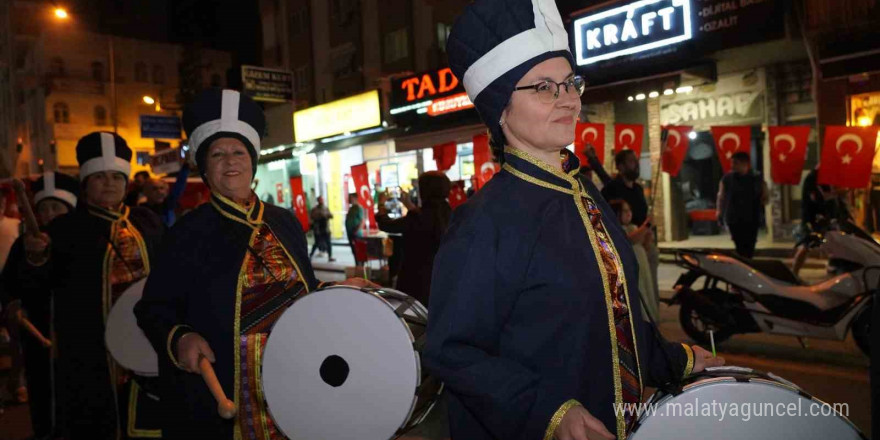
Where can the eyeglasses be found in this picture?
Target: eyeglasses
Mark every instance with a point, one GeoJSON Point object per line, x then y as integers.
{"type": "Point", "coordinates": [548, 91]}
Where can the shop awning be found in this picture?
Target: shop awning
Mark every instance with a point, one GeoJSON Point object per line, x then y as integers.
{"type": "Point", "coordinates": [418, 141]}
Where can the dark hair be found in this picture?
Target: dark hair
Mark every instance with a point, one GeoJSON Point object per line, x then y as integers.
{"type": "Point", "coordinates": [741, 156]}
{"type": "Point", "coordinates": [617, 207]}
{"type": "Point", "coordinates": [621, 156]}
{"type": "Point", "coordinates": [434, 187]}
{"type": "Point", "coordinates": [145, 174]}
{"type": "Point", "coordinates": [497, 141]}
{"type": "Point", "coordinates": [350, 195]}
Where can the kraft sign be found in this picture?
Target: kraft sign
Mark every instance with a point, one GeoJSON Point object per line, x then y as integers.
{"type": "Point", "coordinates": [632, 28]}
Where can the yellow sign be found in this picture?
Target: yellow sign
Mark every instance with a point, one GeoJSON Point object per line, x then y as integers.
{"type": "Point", "coordinates": [345, 115]}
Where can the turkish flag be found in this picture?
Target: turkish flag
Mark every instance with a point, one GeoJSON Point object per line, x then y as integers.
{"type": "Point", "coordinates": [629, 137]}
{"type": "Point", "coordinates": [457, 195]}
{"type": "Point", "coordinates": [847, 154]}
{"type": "Point", "coordinates": [730, 140]}
{"type": "Point", "coordinates": [586, 135]}
{"type": "Point", "coordinates": [676, 148]}
{"type": "Point", "coordinates": [299, 201]}
{"type": "Point", "coordinates": [788, 152]}
{"type": "Point", "coordinates": [483, 165]}
{"type": "Point", "coordinates": [365, 196]}
{"type": "Point", "coordinates": [444, 155]}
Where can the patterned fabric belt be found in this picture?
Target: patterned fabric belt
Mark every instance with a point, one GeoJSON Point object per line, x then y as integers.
{"type": "Point", "coordinates": [257, 314]}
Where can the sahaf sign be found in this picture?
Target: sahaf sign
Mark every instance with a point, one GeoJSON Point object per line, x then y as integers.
{"type": "Point", "coordinates": [631, 28]}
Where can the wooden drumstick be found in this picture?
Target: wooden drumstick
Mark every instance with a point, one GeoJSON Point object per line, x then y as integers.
{"type": "Point", "coordinates": [24, 206]}
{"type": "Point", "coordinates": [225, 407]}
{"type": "Point", "coordinates": [26, 323]}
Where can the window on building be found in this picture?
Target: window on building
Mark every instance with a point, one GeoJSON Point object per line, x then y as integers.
{"type": "Point", "coordinates": [443, 30]}
{"type": "Point", "coordinates": [301, 79]}
{"type": "Point", "coordinates": [396, 45]}
{"type": "Point", "coordinates": [56, 67]}
{"type": "Point", "coordinates": [98, 71]}
{"type": "Point", "coordinates": [216, 80]}
{"type": "Point", "coordinates": [62, 113]}
{"type": "Point", "coordinates": [158, 74]}
{"type": "Point", "coordinates": [140, 72]}
{"type": "Point", "coordinates": [299, 22]}
{"type": "Point", "coordinates": [100, 115]}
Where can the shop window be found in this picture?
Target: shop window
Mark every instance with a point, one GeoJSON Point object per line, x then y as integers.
{"type": "Point", "coordinates": [98, 71]}
{"type": "Point", "coordinates": [61, 112]}
{"type": "Point", "coordinates": [396, 45]}
{"type": "Point", "coordinates": [100, 115]}
{"type": "Point", "coordinates": [140, 72]}
{"type": "Point", "coordinates": [443, 30]}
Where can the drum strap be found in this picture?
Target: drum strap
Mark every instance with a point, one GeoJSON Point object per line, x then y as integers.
{"type": "Point", "coordinates": [255, 316]}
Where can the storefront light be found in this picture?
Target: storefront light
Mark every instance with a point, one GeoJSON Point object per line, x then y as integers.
{"type": "Point", "coordinates": [654, 94]}
{"type": "Point", "coordinates": [630, 99]}
{"type": "Point", "coordinates": [668, 92]}
{"type": "Point", "coordinates": [864, 121]}
{"type": "Point", "coordinates": [640, 97]}
{"type": "Point", "coordinates": [692, 135]}
{"type": "Point", "coordinates": [684, 89]}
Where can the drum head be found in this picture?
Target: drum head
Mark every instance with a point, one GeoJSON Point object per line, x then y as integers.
{"type": "Point", "coordinates": [339, 364]}
{"type": "Point", "coordinates": [125, 340]}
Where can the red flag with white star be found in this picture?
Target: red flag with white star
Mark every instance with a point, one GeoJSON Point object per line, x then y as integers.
{"type": "Point", "coordinates": [788, 152]}
{"type": "Point", "coordinates": [589, 134]}
{"type": "Point", "coordinates": [457, 196]}
{"type": "Point", "coordinates": [677, 142]}
{"type": "Point", "coordinates": [484, 168]}
{"type": "Point", "coordinates": [730, 140]}
{"type": "Point", "coordinates": [365, 196]}
{"type": "Point", "coordinates": [629, 137]}
{"type": "Point", "coordinates": [847, 154]}
{"type": "Point", "coordinates": [299, 201]}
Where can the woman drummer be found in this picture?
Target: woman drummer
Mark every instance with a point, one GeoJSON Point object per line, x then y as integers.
{"type": "Point", "coordinates": [225, 274]}
{"type": "Point", "coordinates": [534, 319]}
{"type": "Point", "coordinates": [88, 258]}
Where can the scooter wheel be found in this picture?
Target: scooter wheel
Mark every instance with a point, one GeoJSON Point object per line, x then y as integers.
{"type": "Point", "coordinates": [698, 326]}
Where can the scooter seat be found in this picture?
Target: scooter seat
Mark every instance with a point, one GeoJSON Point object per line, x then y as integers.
{"type": "Point", "coordinates": [774, 269]}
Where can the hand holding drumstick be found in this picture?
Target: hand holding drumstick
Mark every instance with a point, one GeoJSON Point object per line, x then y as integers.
{"type": "Point", "coordinates": [195, 356]}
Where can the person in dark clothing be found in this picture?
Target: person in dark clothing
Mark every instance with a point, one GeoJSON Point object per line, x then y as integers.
{"type": "Point", "coordinates": [819, 206]}
{"type": "Point", "coordinates": [354, 224]}
{"type": "Point", "coordinates": [321, 216]}
{"type": "Point", "coordinates": [55, 194]}
{"type": "Point", "coordinates": [741, 195]}
{"type": "Point", "coordinates": [160, 201]}
{"type": "Point", "coordinates": [137, 187]}
{"type": "Point", "coordinates": [422, 228]}
{"type": "Point", "coordinates": [625, 185]}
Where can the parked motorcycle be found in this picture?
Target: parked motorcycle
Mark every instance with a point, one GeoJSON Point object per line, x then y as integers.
{"type": "Point", "coordinates": [727, 294]}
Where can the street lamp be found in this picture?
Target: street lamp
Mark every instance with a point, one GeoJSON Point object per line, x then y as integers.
{"type": "Point", "coordinates": [149, 100]}
{"type": "Point", "coordinates": [61, 13]}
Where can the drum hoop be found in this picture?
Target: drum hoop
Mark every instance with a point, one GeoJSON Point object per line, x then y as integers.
{"type": "Point", "coordinates": [373, 292]}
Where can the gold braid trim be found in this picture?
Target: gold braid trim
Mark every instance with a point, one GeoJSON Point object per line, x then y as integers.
{"type": "Point", "coordinates": [557, 418]}
{"type": "Point", "coordinates": [689, 368]}
{"type": "Point", "coordinates": [171, 338]}
{"type": "Point", "coordinates": [133, 432]}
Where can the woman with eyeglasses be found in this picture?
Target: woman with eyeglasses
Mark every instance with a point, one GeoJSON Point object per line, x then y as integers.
{"type": "Point", "coordinates": [535, 324]}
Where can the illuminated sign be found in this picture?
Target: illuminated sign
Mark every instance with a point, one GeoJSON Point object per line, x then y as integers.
{"type": "Point", "coordinates": [342, 116]}
{"type": "Point", "coordinates": [632, 28]}
{"type": "Point", "coordinates": [432, 93]}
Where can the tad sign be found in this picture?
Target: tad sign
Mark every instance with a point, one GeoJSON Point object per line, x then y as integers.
{"type": "Point", "coordinates": [630, 29]}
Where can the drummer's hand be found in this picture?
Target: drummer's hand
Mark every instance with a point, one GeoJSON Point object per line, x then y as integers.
{"type": "Point", "coordinates": [704, 359]}
{"type": "Point", "coordinates": [36, 247]}
{"type": "Point", "coordinates": [579, 424]}
{"type": "Point", "coordinates": [359, 282]}
{"type": "Point", "coordinates": [190, 347]}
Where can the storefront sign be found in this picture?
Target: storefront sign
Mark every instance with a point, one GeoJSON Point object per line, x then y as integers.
{"type": "Point", "coordinates": [735, 99]}
{"type": "Point", "coordinates": [345, 115]}
{"type": "Point", "coordinates": [166, 161]}
{"type": "Point", "coordinates": [427, 95]}
{"type": "Point", "coordinates": [270, 85]}
{"type": "Point", "coordinates": [160, 127]}
{"type": "Point", "coordinates": [632, 28]}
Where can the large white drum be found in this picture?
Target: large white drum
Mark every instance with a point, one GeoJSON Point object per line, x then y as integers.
{"type": "Point", "coordinates": [767, 407]}
{"type": "Point", "coordinates": [125, 340]}
{"type": "Point", "coordinates": [343, 363]}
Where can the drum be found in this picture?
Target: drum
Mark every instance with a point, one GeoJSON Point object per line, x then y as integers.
{"type": "Point", "coordinates": [125, 340]}
{"type": "Point", "coordinates": [343, 363]}
{"type": "Point", "coordinates": [733, 402]}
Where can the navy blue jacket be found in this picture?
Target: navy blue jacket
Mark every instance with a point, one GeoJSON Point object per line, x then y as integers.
{"type": "Point", "coordinates": [520, 322]}
{"type": "Point", "coordinates": [193, 287]}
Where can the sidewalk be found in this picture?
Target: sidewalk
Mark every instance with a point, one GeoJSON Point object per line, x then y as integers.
{"type": "Point", "coordinates": [765, 248]}
{"type": "Point", "coordinates": [341, 253]}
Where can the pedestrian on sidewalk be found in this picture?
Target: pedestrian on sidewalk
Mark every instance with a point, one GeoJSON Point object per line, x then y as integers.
{"type": "Point", "coordinates": [741, 195]}
{"type": "Point", "coordinates": [820, 206]}
{"type": "Point", "coordinates": [321, 227]}
{"type": "Point", "coordinates": [640, 237]}
{"type": "Point", "coordinates": [354, 223]}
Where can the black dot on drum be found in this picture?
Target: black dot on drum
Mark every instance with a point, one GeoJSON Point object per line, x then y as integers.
{"type": "Point", "coordinates": [334, 371]}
